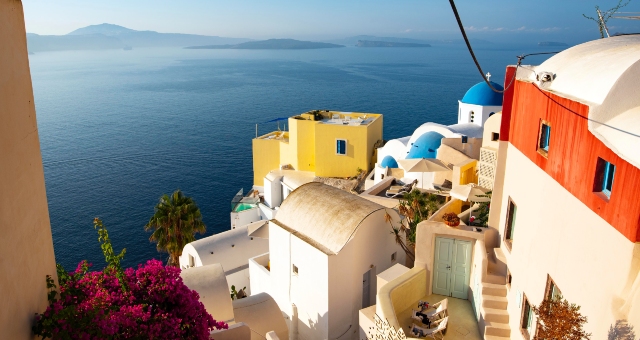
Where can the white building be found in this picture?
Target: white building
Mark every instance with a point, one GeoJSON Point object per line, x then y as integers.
{"type": "Point", "coordinates": [231, 249]}
{"type": "Point", "coordinates": [447, 143]}
{"type": "Point", "coordinates": [325, 248]}
{"type": "Point", "coordinates": [251, 318]}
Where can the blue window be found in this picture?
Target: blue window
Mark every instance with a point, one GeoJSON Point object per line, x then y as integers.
{"type": "Point", "coordinates": [341, 146]}
{"type": "Point", "coordinates": [545, 134]}
{"type": "Point", "coordinates": [607, 183]}
{"type": "Point", "coordinates": [605, 173]}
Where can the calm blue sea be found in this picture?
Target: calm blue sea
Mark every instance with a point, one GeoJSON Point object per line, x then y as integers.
{"type": "Point", "coordinates": [120, 128]}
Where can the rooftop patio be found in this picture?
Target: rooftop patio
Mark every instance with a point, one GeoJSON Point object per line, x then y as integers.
{"type": "Point", "coordinates": [462, 324]}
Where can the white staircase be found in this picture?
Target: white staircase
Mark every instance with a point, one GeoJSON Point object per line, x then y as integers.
{"type": "Point", "coordinates": [494, 299]}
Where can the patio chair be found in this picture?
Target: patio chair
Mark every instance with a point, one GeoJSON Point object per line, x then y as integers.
{"type": "Point", "coordinates": [430, 317]}
{"type": "Point", "coordinates": [397, 191]}
{"type": "Point", "coordinates": [433, 333]}
{"type": "Point", "coordinates": [440, 312]}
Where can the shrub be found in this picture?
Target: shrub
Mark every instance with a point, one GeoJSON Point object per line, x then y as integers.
{"type": "Point", "coordinates": [150, 302]}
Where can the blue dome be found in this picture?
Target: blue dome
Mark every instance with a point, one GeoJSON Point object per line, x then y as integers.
{"type": "Point", "coordinates": [482, 94]}
{"type": "Point", "coordinates": [389, 162]}
{"type": "Point", "coordinates": [426, 146]}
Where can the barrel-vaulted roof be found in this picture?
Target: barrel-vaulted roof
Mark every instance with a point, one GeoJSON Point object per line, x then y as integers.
{"type": "Point", "coordinates": [324, 216]}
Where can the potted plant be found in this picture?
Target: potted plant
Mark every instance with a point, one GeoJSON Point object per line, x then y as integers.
{"type": "Point", "coordinates": [451, 219]}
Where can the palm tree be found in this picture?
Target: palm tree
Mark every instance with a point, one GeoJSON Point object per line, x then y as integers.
{"type": "Point", "coordinates": [175, 222]}
{"type": "Point", "coordinates": [416, 206]}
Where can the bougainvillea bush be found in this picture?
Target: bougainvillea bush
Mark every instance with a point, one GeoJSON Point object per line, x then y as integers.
{"type": "Point", "coordinates": [150, 302]}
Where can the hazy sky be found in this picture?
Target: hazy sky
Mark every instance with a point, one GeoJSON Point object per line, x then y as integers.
{"type": "Point", "coordinates": [326, 19]}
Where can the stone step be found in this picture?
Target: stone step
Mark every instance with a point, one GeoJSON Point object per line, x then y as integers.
{"type": "Point", "coordinates": [497, 329]}
{"type": "Point", "coordinates": [495, 315]}
{"type": "Point", "coordinates": [492, 301]}
{"type": "Point", "coordinates": [495, 278]}
{"type": "Point", "coordinates": [495, 337]}
{"type": "Point", "coordinates": [494, 289]}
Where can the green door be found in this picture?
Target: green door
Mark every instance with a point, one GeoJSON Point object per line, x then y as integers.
{"type": "Point", "coordinates": [452, 266]}
{"type": "Point", "coordinates": [442, 266]}
{"type": "Point", "coordinates": [460, 269]}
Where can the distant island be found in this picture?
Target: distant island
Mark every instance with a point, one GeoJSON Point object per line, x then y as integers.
{"type": "Point", "coordinates": [351, 41]}
{"type": "Point", "coordinates": [369, 43]}
{"type": "Point", "coordinates": [271, 44]}
{"type": "Point", "coordinates": [551, 43]}
{"type": "Point", "coordinates": [109, 36]}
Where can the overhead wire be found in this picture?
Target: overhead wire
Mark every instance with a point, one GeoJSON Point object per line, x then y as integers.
{"type": "Point", "coordinates": [520, 58]}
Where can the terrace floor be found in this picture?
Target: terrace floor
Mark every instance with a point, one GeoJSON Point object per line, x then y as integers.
{"type": "Point", "coordinates": [462, 323]}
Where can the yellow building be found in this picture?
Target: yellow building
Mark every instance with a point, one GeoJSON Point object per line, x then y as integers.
{"type": "Point", "coordinates": [328, 143]}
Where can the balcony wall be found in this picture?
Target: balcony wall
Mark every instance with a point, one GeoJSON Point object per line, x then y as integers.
{"type": "Point", "coordinates": [260, 276]}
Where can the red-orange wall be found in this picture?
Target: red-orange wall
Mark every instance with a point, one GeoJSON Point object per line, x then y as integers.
{"type": "Point", "coordinates": [573, 153]}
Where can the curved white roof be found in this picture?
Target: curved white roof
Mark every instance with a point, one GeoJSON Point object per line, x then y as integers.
{"type": "Point", "coordinates": [603, 74]}
{"type": "Point", "coordinates": [324, 216]}
{"type": "Point", "coordinates": [262, 314]}
{"type": "Point", "coordinates": [230, 248]}
{"type": "Point", "coordinates": [211, 284]}
{"type": "Point", "coordinates": [588, 71]}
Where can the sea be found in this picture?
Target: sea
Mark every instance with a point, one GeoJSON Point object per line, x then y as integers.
{"type": "Point", "coordinates": [118, 128]}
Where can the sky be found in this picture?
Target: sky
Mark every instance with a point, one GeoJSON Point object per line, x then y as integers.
{"type": "Point", "coordinates": [501, 20]}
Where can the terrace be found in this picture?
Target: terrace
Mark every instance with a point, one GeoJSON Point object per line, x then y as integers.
{"type": "Point", "coordinates": [397, 298]}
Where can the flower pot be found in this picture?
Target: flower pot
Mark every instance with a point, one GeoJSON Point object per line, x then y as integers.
{"type": "Point", "coordinates": [452, 224]}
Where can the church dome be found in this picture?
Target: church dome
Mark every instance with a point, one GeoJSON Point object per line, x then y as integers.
{"type": "Point", "coordinates": [426, 146]}
{"type": "Point", "coordinates": [389, 162]}
{"type": "Point", "coordinates": [482, 94]}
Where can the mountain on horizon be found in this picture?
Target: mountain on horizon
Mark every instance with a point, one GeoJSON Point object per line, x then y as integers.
{"type": "Point", "coordinates": [106, 29]}
{"type": "Point", "coordinates": [109, 36]}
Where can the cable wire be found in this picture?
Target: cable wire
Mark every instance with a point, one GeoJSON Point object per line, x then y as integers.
{"type": "Point", "coordinates": [475, 60]}
{"type": "Point", "coordinates": [584, 117]}
{"type": "Point", "coordinates": [520, 58]}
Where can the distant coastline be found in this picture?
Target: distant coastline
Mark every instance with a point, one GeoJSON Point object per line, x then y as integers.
{"type": "Point", "coordinates": [369, 43]}
{"type": "Point", "coordinates": [271, 44]}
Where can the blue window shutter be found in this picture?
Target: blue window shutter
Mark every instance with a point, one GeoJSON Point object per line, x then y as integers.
{"type": "Point", "coordinates": [607, 180]}
{"type": "Point", "coordinates": [547, 137]}
{"type": "Point", "coordinates": [341, 147]}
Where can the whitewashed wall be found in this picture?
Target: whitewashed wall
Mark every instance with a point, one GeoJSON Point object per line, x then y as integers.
{"type": "Point", "coordinates": [588, 259]}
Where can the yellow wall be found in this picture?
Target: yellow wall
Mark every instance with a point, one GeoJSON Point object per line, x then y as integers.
{"type": "Point", "coordinates": [26, 245]}
{"type": "Point", "coordinates": [360, 141]}
{"type": "Point", "coordinates": [374, 134]}
{"type": "Point", "coordinates": [401, 293]}
{"type": "Point", "coordinates": [466, 172]}
{"type": "Point", "coordinates": [305, 148]}
{"type": "Point", "coordinates": [266, 157]}
{"type": "Point", "coordinates": [312, 147]}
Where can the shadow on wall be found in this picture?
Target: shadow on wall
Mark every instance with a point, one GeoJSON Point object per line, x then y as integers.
{"type": "Point", "coordinates": [314, 327]}
{"type": "Point", "coordinates": [621, 331]}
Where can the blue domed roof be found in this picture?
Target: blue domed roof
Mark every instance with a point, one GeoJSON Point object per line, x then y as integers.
{"type": "Point", "coordinates": [389, 162]}
{"type": "Point", "coordinates": [426, 146]}
{"type": "Point", "coordinates": [482, 94]}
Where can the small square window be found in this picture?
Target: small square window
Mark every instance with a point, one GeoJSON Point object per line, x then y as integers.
{"type": "Point", "coordinates": [544, 138]}
{"type": "Point", "coordinates": [294, 269]}
{"type": "Point", "coordinates": [526, 323]}
{"type": "Point", "coordinates": [511, 223]}
{"type": "Point", "coordinates": [552, 291]}
{"type": "Point", "coordinates": [495, 136]}
{"type": "Point", "coordinates": [393, 256]}
{"type": "Point", "coordinates": [341, 146]}
{"type": "Point", "coordinates": [605, 172]}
